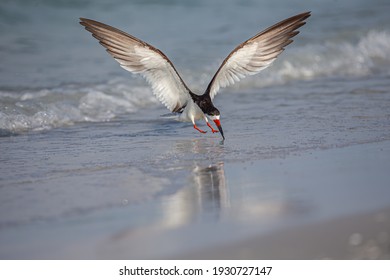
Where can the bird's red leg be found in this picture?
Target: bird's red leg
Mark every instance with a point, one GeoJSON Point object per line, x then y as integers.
{"type": "Point", "coordinates": [212, 129]}
{"type": "Point", "coordinates": [198, 129]}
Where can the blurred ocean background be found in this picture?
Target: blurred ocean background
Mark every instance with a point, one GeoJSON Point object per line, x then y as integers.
{"type": "Point", "coordinates": [53, 74]}
{"type": "Point", "coordinates": [87, 157]}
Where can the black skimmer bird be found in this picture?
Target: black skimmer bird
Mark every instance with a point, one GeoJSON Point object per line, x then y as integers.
{"type": "Point", "coordinates": [248, 58]}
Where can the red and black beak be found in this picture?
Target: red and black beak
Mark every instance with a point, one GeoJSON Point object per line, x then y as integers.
{"type": "Point", "coordinates": [218, 124]}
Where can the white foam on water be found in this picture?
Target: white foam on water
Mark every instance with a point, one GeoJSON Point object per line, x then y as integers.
{"type": "Point", "coordinates": [368, 56]}
{"type": "Point", "coordinates": [46, 108]}
{"type": "Point", "coordinates": [43, 109]}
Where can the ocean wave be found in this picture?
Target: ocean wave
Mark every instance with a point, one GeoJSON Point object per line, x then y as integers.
{"type": "Point", "coordinates": [43, 109]}
{"type": "Point", "coordinates": [47, 108]}
{"type": "Point", "coordinates": [369, 55]}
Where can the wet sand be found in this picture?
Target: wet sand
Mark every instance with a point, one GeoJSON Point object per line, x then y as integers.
{"type": "Point", "coordinates": [318, 204]}
{"type": "Point", "coordinates": [363, 236]}
{"type": "Point", "coordinates": [332, 204]}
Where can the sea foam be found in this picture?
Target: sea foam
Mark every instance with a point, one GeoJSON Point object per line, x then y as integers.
{"type": "Point", "coordinates": [46, 108]}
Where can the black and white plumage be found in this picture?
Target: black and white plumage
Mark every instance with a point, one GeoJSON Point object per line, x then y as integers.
{"type": "Point", "coordinates": [248, 58]}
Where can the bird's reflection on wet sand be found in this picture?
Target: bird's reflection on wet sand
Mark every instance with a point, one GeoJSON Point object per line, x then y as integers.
{"type": "Point", "coordinates": [203, 202]}
{"type": "Point", "coordinates": [205, 194]}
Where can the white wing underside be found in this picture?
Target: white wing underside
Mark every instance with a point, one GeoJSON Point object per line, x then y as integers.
{"type": "Point", "coordinates": [256, 54]}
{"type": "Point", "coordinates": [243, 63]}
{"type": "Point", "coordinates": [139, 57]}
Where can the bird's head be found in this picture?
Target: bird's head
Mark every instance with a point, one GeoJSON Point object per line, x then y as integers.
{"type": "Point", "coordinates": [206, 105]}
{"type": "Point", "coordinates": [215, 116]}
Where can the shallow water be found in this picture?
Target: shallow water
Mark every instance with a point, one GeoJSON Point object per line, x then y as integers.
{"type": "Point", "coordinates": [92, 167]}
{"type": "Point", "coordinates": [54, 74]}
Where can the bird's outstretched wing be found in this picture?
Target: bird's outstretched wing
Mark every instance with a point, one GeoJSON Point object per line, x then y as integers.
{"type": "Point", "coordinates": [136, 56]}
{"type": "Point", "coordinates": [256, 54]}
